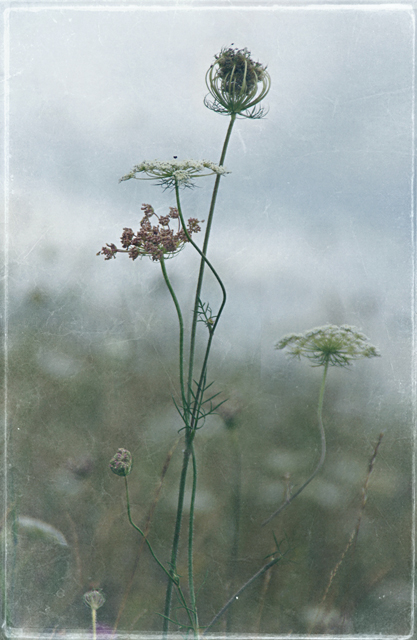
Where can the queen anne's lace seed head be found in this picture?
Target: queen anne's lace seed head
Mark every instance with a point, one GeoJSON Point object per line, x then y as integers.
{"type": "Point", "coordinates": [94, 599]}
{"type": "Point", "coordinates": [176, 172]}
{"type": "Point", "coordinates": [329, 345]}
{"type": "Point", "coordinates": [236, 84]}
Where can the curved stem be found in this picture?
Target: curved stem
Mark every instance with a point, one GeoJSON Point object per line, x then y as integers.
{"type": "Point", "coordinates": [234, 597]}
{"type": "Point", "coordinates": [203, 256]}
{"type": "Point", "coordinates": [193, 605]}
{"type": "Point", "coordinates": [322, 456]}
{"type": "Point", "coordinates": [202, 263]}
{"type": "Point", "coordinates": [172, 579]}
{"type": "Point", "coordinates": [212, 329]}
{"type": "Point", "coordinates": [141, 532]}
{"type": "Point", "coordinates": [181, 349]}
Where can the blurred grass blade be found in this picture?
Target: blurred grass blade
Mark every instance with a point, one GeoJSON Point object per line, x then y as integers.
{"type": "Point", "coordinates": [41, 530]}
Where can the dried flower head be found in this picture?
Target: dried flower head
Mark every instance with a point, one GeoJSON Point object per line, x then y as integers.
{"type": "Point", "coordinates": [94, 599]}
{"type": "Point", "coordinates": [176, 172]}
{"type": "Point", "coordinates": [154, 241]}
{"type": "Point", "coordinates": [329, 345]}
{"type": "Point", "coordinates": [236, 84]}
{"type": "Point", "coordinates": [121, 463]}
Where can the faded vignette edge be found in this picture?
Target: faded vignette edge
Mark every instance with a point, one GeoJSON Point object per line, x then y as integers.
{"type": "Point", "coordinates": [187, 5]}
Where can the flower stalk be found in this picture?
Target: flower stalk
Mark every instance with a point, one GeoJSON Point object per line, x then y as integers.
{"type": "Point", "coordinates": [327, 346]}
{"type": "Point", "coordinates": [94, 599]}
{"type": "Point", "coordinates": [290, 498]}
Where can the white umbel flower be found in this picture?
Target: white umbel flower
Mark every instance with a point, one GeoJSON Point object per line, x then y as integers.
{"type": "Point", "coordinates": [175, 172]}
{"type": "Point", "coordinates": [329, 345]}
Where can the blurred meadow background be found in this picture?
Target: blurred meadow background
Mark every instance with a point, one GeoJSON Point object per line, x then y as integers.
{"type": "Point", "coordinates": [313, 226]}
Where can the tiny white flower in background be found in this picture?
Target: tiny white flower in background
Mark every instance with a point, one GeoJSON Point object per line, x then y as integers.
{"type": "Point", "coordinates": [329, 345]}
{"type": "Point", "coordinates": [94, 599]}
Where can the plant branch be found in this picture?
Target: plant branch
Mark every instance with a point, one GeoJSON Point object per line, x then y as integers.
{"type": "Point", "coordinates": [205, 247]}
{"type": "Point", "coordinates": [234, 597]}
{"type": "Point", "coordinates": [193, 605]}
{"type": "Point", "coordinates": [186, 404]}
{"type": "Point", "coordinates": [181, 324]}
{"type": "Point", "coordinates": [169, 574]}
{"type": "Point", "coordinates": [175, 542]}
{"type": "Point", "coordinates": [142, 534]}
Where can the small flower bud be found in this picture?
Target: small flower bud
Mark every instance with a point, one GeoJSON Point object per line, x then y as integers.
{"type": "Point", "coordinates": [121, 463]}
{"type": "Point", "coordinates": [94, 599]}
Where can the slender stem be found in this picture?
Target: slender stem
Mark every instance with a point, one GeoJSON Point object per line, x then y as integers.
{"type": "Point", "coordinates": [176, 539]}
{"type": "Point", "coordinates": [212, 329]}
{"type": "Point", "coordinates": [141, 532]}
{"type": "Point", "coordinates": [322, 456]}
{"type": "Point", "coordinates": [94, 617]}
{"type": "Point", "coordinates": [200, 386]}
{"type": "Point", "coordinates": [205, 246]}
{"type": "Point", "coordinates": [169, 574]}
{"type": "Point", "coordinates": [203, 256]}
{"type": "Point", "coordinates": [189, 436]}
{"type": "Point", "coordinates": [181, 324]}
{"type": "Point", "coordinates": [234, 597]}
{"type": "Point", "coordinates": [193, 605]}
{"type": "Point", "coordinates": [146, 532]}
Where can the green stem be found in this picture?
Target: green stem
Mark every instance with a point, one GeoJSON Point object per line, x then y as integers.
{"type": "Point", "coordinates": [200, 385]}
{"type": "Point", "coordinates": [193, 605]}
{"type": "Point", "coordinates": [175, 542]}
{"type": "Point", "coordinates": [202, 263]}
{"type": "Point", "coordinates": [204, 258]}
{"type": "Point", "coordinates": [181, 349]}
{"type": "Point", "coordinates": [189, 436]}
{"type": "Point", "coordinates": [94, 617]}
{"type": "Point", "coordinates": [197, 401]}
{"type": "Point", "coordinates": [322, 456]}
{"type": "Point", "coordinates": [141, 532]}
{"type": "Point", "coordinates": [172, 578]}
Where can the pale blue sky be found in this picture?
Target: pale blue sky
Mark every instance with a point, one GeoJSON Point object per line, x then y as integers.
{"type": "Point", "coordinates": [313, 225]}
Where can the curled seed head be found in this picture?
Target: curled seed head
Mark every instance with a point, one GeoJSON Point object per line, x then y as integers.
{"type": "Point", "coordinates": [237, 84]}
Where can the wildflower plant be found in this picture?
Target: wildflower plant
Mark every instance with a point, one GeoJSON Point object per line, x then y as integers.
{"type": "Point", "coordinates": [236, 86]}
{"type": "Point", "coordinates": [94, 599]}
{"type": "Point", "coordinates": [327, 346]}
